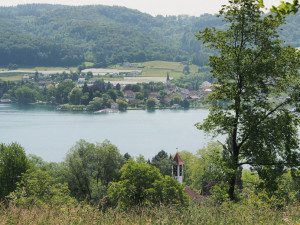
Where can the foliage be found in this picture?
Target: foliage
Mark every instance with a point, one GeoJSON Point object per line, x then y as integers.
{"type": "Point", "coordinates": [38, 188]}
{"type": "Point", "coordinates": [150, 103]}
{"type": "Point", "coordinates": [163, 162]}
{"type": "Point", "coordinates": [75, 96]}
{"type": "Point", "coordinates": [141, 184]}
{"type": "Point", "coordinates": [285, 8]}
{"type": "Point", "coordinates": [122, 104]}
{"type": "Point", "coordinates": [25, 95]}
{"type": "Point", "coordinates": [13, 162]}
{"type": "Point", "coordinates": [251, 68]}
{"type": "Point", "coordinates": [96, 104]}
{"type": "Point", "coordinates": [91, 167]}
{"type": "Point", "coordinates": [39, 34]}
{"type": "Point", "coordinates": [208, 168]}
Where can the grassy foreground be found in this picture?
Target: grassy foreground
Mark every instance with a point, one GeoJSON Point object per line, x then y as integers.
{"type": "Point", "coordinates": [205, 214]}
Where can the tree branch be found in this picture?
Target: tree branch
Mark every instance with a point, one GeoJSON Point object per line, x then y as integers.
{"type": "Point", "coordinates": [266, 116]}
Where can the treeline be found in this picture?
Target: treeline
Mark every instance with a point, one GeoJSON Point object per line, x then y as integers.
{"type": "Point", "coordinates": [95, 173]}
{"type": "Point", "coordinates": [55, 35]}
{"type": "Point", "coordinates": [23, 50]}
{"type": "Point", "coordinates": [99, 175]}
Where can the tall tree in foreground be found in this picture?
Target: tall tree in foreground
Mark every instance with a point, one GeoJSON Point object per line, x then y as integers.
{"type": "Point", "coordinates": [13, 162]}
{"type": "Point", "coordinates": [252, 70]}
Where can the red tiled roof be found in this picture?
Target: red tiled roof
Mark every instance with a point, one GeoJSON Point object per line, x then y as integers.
{"type": "Point", "coordinates": [178, 160]}
{"type": "Point", "coordinates": [194, 196]}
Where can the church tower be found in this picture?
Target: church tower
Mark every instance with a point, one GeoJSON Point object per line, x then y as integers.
{"type": "Point", "coordinates": [177, 170]}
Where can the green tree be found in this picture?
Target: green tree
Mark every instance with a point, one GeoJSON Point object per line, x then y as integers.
{"type": "Point", "coordinates": [142, 183]}
{"type": "Point", "coordinates": [91, 167]}
{"type": "Point", "coordinates": [25, 95]}
{"type": "Point", "coordinates": [36, 76]}
{"type": "Point", "coordinates": [285, 8]}
{"type": "Point", "coordinates": [85, 99]}
{"type": "Point", "coordinates": [176, 99]}
{"type": "Point", "coordinates": [185, 104]}
{"type": "Point", "coordinates": [139, 95]}
{"type": "Point", "coordinates": [163, 162]}
{"type": "Point", "coordinates": [251, 68]}
{"type": "Point", "coordinates": [150, 103]}
{"type": "Point", "coordinates": [13, 162]}
{"type": "Point", "coordinates": [62, 92]}
{"type": "Point", "coordinates": [37, 188]}
{"type": "Point", "coordinates": [208, 168]}
{"type": "Point", "coordinates": [161, 96]}
{"type": "Point", "coordinates": [50, 94]}
{"type": "Point", "coordinates": [122, 104]}
{"type": "Point", "coordinates": [96, 104]}
{"type": "Point", "coordinates": [186, 70]}
{"type": "Point", "coordinates": [112, 94]}
{"type": "Point", "coordinates": [75, 96]}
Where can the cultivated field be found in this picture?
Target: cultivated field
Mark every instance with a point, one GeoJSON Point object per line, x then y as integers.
{"type": "Point", "coordinates": [149, 71]}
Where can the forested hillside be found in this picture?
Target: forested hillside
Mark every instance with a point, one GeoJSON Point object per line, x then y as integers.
{"type": "Point", "coordinates": [55, 35]}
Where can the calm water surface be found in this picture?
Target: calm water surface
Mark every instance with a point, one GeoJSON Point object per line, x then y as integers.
{"type": "Point", "coordinates": [50, 134]}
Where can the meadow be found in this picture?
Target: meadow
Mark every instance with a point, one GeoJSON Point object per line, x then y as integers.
{"type": "Point", "coordinates": [205, 213]}
{"type": "Point", "coordinates": [149, 69]}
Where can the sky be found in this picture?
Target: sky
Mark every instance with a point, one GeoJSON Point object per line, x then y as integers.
{"type": "Point", "coordinates": [153, 7]}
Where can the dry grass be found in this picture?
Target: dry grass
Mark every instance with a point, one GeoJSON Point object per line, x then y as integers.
{"type": "Point", "coordinates": [205, 214]}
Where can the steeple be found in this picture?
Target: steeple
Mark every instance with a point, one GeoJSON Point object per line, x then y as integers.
{"type": "Point", "coordinates": [177, 171]}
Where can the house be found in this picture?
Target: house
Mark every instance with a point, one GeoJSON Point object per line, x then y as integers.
{"type": "Point", "coordinates": [208, 90]}
{"type": "Point", "coordinates": [134, 72]}
{"type": "Point", "coordinates": [114, 106]}
{"type": "Point", "coordinates": [153, 95]}
{"type": "Point", "coordinates": [43, 84]}
{"type": "Point", "coordinates": [81, 81]}
{"type": "Point", "coordinates": [128, 64]}
{"type": "Point", "coordinates": [185, 91]}
{"type": "Point", "coordinates": [129, 94]}
{"type": "Point", "coordinates": [167, 99]}
{"type": "Point", "coordinates": [176, 106]}
{"type": "Point", "coordinates": [6, 100]}
{"type": "Point", "coordinates": [193, 97]}
{"type": "Point", "coordinates": [91, 81]}
{"type": "Point", "coordinates": [206, 85]}
{"type": "Point", "coordinates": [25, 77]}
{"type": "Point", "coordinates": [195, 197]}
{"type": "Point", "coordinates": [177, 170]}
{"type": "Point", "coordinates": [134, 101]}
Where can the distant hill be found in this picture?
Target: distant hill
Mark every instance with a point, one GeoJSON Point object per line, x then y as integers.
{"type": "Point", "coordinates": [56, 35]}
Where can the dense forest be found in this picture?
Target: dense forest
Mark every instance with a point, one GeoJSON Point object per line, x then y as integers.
{"type": "Point", "coordinates": [56, 35]}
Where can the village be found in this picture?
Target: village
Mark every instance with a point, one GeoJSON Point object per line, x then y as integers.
{"type": "Point", "coordinates": [125, 87]}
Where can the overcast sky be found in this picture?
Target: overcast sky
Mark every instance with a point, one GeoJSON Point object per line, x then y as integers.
{"type": "Point", "coordinates": [153, 7]}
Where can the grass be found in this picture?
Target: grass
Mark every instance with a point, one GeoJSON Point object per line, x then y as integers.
{"type": "Point", "coordinates": [48, 68]}
{"type": "Point", "coordinates": [194, 214]}
{"type": "Point", "coordinates": [150, 69]}
{"type": "Point", "coordinates": [11, 76]}
{"type": "Point", "coordinates": [161, 68]}
{"type": "Point", "coordinates": [88, 64]}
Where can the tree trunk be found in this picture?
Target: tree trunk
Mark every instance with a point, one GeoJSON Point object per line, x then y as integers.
{"type": "Point", "coordinates": [232, 186]}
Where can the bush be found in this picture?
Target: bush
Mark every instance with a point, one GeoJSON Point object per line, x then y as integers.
{"type": "Point", "coordinates": [143, 184]}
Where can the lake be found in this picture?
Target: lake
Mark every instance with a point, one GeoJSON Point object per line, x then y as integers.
{"type": "Point", "coordinates": [50, 134]}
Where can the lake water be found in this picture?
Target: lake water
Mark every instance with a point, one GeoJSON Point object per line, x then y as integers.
{"type": "Point", "coordinates": [50, 134]}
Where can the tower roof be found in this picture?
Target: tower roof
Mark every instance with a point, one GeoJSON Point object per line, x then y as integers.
{"type": "Point", "coordinates": [178, 160]}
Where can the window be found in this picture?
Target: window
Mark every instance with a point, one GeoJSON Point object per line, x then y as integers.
{"type": "Point", "coordinates": [180, 170]}
{"type": "Point", "coordinates": [175, 170]}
